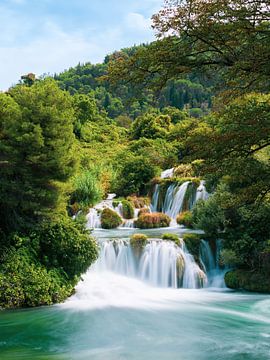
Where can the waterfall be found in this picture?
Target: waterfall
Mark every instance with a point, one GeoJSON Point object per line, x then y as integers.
{"type": "Point", "coordinates": [210, 263]}
{"type": "Point", "coordinates": [167, 173]}
{"type": "Point", "coordinates": [202, 193]}
{"type": "Point", "coordinates": [93, 219]}
{"type": "Point", "coordinates": [160, 263]}
{"type": "Point", "coordinates": [154, 203]}
{"type": "Point", "coordinates": [173, 203]}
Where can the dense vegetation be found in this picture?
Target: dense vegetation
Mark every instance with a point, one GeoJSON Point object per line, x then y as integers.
{"type": "Point", "coordinates": [230, 42]}
{"type": "Point", "coordinates": [66, 142]}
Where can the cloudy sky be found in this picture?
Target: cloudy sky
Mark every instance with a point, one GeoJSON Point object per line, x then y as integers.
{"type": "Point", "coordinates": [48, 36]}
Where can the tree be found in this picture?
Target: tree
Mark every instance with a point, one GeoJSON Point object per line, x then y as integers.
{"type": "Point", "coordinates": [37, 151]}
{"type": "Point", "coordinates": [228, 40]}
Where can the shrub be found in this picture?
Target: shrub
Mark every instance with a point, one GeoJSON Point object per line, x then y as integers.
{"type": "Point", "coordinates": [135, 175]}
{"type": "Point", "coordinates": [66, 245]}
{"type": "Point", "coordinates": [110, 219]}
{"type": "Point", "coordinates": [139, 202]}
{"type": "Point", "coordinates": [138, 240]}
{"type": "Point", "coordinates": [128, 210]}
{"type": "Point", "coordinates": [87, 189]}
{"type": "Point", "coordinates": [26, 283]}
{"type": "Point", "coordinates": [171, 237]}
{"type": "Point", "coordinates": [247, 280]}
{"type": "Point", "coordinates": [192, 242]}
{"type": "Point", "coordinates": [143, 211]}
{"type": "Point", "coordinates": [152, 220]}
{"type": "Point", "coordinates": [185, 218]}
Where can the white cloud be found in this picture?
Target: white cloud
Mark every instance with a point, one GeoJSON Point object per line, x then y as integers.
{"type": "Point", "coordinates": [137, 22]}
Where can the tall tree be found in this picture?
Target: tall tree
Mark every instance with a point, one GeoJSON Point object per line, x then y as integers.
{"type": "Point", "coordinates": [36, 151]}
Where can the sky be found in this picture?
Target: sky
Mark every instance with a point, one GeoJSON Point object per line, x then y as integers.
{"type": "Point", "coordinates": [49, 36]}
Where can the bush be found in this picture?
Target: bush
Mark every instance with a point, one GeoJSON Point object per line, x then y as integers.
{"type": "Point", "coordinates": [192, 242]}
{"type": "Point", "coordinates": [138, 240]}
{"type": "Point", "coordinates": [172, 237]}
{"type": "Point", "coordinates": [135, 175]}
{"type": "Point", "coordinates": [247, 280]}
{"type": "Point", "coordinates": [153, 220]}
{"type": "Point", "coordinates": [185, 218]}
{"type": "Point", "coordinates": [143, 211]}
{"type": "Point", "coordinates": [128, 210]}
{"type": "Point", "coordinates": [139, 202]}
{"type": "Point", "coordinates": [87, 189]}
{"type": "Point", "coordinates": [228, 257]}
{"type": "Point", "coordinates": [25, 283]}
{"type": "Point", "coordinates": [110, 219]}
{"type": "Point", "coordinates": [66, 245]}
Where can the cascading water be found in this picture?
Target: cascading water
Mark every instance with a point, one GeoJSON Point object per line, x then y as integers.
{"type": "Point", "coordinates": [174, 200]}
{"type": "Point", "coordinates": [202, 193]}
{"type": "Point", "coordinates": [160, 263]}
{"type": "Point", "coordinates": [210, 262]}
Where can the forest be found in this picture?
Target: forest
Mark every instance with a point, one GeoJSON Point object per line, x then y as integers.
{"type": "Point", "coordinates": [197, 100]}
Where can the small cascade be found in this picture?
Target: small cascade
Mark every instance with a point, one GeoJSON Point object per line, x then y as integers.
{"type": "Point", "coordinates": [93, 219]}
{"type": "Point", "coordinates": [210, 263]}
{"type": "Point", "coordinates": [160, 263]}
{"type": "Point", "coordinates": [174, 200]}
{"type": "Point", "coordinates": [167, 173]}
{"type": "Point", "coordinates": [155, 197]}
{"type": "Point", "coordinates": [202, 193]}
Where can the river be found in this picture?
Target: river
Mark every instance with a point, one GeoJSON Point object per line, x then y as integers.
{"type": "Point", "coordinates": [114, 317]}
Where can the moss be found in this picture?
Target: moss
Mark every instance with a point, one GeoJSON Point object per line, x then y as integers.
{"type": "Point", "coordinates": [185, 218]}
{"type": "Point", "coordinates": [190, 196]}
{"type": "Point", "coordinates": [172, 237]}
{"type": "Point", "coordinates": [139, 202]}
{"type": "Point", "coordinates": [110, 219]}
{"type": "Point", "coordinates": [152, 220]}
{"type": "Point", "coordinates": [128, 210]}
{"type": "Point", "coordinates": [192, 242]}
{"type": "Point", "coordinates": [138, 240]}
{"type": "Point", "coordinates": [143, 211]}
{"type": "Point", "coordinates": [248, 280]}
{"type": "Point", "coordinates": [137, 243]}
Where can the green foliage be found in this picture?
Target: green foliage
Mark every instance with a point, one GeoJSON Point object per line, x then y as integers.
{"type": "Point", "coordinates": [139, 202]}
{"type": "Point", "coordinates": [248, 280]}
{"type": "Point", "coordinates": [138, 241]}
{"type": "Point", "coordinates": [150, 126]}
{"type": "Point", "coordinates": [192, 242]}
{"type": "Point", "coordinates": [87, 190]}
{"type": "Point", "coordinates": [185, 218]}
{"type": "Point", "coordinates": [128, 210]}
{"type": "Point", "coordinates": [171, 237]}
{"type": "Point", "coordinates": [152, 220]}
{"type": "Point", "coordinates": [110, 219]}
{"type": "Point", "coordinates": [37, 152]}
{"type": "Point", "coordinates": [65, 245]}
{"type": "Point", "coordinates": [134, 176]}
{"type": "Point", "coordinates": [25, 283]}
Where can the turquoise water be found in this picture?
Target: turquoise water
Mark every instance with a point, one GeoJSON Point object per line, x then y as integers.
{"type": "Point", "coordinates": [114, 317]}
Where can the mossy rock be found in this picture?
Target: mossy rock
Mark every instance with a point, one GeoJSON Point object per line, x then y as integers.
{"type": "Point", "coordinates": [138, 240]}
{"type": "Point", "coordinates": [185, 218]}
{"type": "Point", "coordinates": [172, 237]}
{"type": "Point", "coordinates": [138, 243]}
{"type": "Point", "coordinates": [153, 220]}
{"type": "Point", "coordinates": [139, 202]}
{"type": "Point", "coordinates": [128, 210]}
{"type": "Point", "coordinates": [143, 211]}
{"type": "Point", "coordinates": [110, 219]}
{"type": "Point", "coordinates": [192, 242]}
{"type": "Point", "coordinates": [248, 280]}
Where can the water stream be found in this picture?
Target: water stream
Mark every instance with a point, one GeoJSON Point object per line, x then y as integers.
{"type": "Point", "coordinates": [152, 303]}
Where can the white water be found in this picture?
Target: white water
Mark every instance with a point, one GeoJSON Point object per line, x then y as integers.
{"type": "Point", "coordinates": [167, 173]}
{"type": "Point", "coordinates": [202, 193]}
{"type": "Point", "coordinates": [174, 200]}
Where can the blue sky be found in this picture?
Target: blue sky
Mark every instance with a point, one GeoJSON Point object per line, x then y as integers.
{"type": "Point", "coordinates": [48, 36]}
